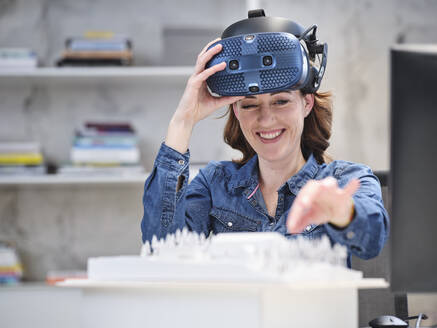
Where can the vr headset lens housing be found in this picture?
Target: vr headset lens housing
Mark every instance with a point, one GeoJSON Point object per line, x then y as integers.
{"type": "Point", "coordinates": [263, 56]}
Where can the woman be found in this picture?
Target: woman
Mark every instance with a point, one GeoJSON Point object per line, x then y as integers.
{"type": "Point", "coordinates": [283, 182]}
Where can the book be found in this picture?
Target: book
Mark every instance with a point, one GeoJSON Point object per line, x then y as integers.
{"type": "Point", "coordinates": [98, 129]}
{"type": "Point", "coordinates": [107, 141]}
{"type": "Point", "coordinates": [17, 57]}
{"type": "Point", "coordinates": [96, 44]}
{"type": "Point", "coordinates": [103, 155]}
{"type": "Point", "coordinates": [93, 62]}
{"type": "Point", "coordinates": [55, 276]}
{"type": "Point", "coordinates": [21, 158]}
{"type": "Point", "coordinates": [92, 170]}
{"type": "Point", "coordinates": [110, 127]}
{"type": "Point", "coordinates": [11, 269]}
{"type": "Point", "coordinates": [19, 147]}
{"type": "Point", "coordinates": [93, 54]}
{"type": "Point", "coordinates": [22, 170]}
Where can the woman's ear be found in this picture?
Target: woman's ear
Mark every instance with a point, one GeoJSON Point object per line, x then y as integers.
{"type": "Point", "coordinates": [308, 103]}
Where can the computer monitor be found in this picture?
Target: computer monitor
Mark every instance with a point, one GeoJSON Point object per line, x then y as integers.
{"type": "Point", "coordinates": [413, 168]}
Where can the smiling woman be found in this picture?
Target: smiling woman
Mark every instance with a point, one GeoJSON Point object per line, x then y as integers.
{"type": "Point", "coordinates": [285, 182]}
{"type": "Point", "coordinates": [316, 131]}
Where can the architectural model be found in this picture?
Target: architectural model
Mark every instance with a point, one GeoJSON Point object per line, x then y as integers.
{"type": "Point", "coordinates": [228, 257]}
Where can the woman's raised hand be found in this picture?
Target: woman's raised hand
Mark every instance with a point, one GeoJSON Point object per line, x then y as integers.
{"type": "Point", "coordinates": [196, 102]}
{"type": "Point", "coordinates": [322, 201]}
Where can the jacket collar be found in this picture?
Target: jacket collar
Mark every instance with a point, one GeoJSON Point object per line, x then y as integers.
{"type": "Point", "coordinates": [247, 176]}
{"type": "Point", "coordinates": [306, 173]}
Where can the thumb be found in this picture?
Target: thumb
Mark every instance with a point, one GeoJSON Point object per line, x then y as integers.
{"type": "Point", "coordinates": [352, 187]}
{"type": "Point", "coordinates": [224, 101]}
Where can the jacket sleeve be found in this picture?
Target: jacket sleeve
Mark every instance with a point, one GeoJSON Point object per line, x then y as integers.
{"type": "Point", "coordinates": [366, 235]}
{"type": "Point", "coordinates": [169, 201]}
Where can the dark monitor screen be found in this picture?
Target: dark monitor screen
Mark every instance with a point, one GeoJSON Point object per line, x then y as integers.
{"type": "Point", "coordinates": [413, 168]}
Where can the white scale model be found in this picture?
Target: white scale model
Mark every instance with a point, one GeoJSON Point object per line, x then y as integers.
{"type": "Point", "coordinates": [239, 257]}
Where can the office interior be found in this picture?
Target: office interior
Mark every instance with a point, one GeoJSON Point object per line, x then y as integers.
{"type": "Point", "coordinates": [56, 225]}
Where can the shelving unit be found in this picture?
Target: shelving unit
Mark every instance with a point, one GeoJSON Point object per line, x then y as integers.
{"type": "Point", "coordinates": [110, 205]}
{"type": "Point", "coordinates": [92, 75]}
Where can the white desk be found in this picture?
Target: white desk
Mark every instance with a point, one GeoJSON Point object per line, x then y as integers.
{"type": "Point", "coordinates": [194, 304]}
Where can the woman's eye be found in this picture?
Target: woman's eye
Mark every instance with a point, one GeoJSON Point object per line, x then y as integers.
{"type": "Point", "coordinates": [248, 106]}
{"type": "Point", "coordinates": [282, 102]}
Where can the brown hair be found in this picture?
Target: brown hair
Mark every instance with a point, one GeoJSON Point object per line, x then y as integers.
{"type": "Point", "coordinates": [315, 135]}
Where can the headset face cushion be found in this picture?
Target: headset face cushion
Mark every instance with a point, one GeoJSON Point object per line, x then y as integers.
{"type": "Point", "coordinates": [259, 63]}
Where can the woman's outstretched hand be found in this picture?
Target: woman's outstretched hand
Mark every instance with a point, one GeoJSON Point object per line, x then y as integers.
{"type": "Point", "coordinates": [196, 102]}
{"type": "Point", "coordinates": [322, 201]}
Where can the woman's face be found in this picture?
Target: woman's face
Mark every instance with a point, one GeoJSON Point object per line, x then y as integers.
{"type": "Point", "coordinates": [273, 123]}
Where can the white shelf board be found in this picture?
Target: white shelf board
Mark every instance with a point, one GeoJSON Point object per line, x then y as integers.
{"type": "Point", "coordinates": [96, 74]}
{"type": "Point", "coordinates": [364, 283]}
{"type": "Point", "coordinates": [26, 285]}
{"type": "Point", "coordinates": [70, 180]}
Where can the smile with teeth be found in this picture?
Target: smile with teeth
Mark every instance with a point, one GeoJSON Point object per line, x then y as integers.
{"type": "Point", "coordinates": [271, 134]}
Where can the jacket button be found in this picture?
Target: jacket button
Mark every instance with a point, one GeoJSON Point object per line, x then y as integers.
{"type": "Point", "coordinates": [229, 224]}
{"type": "Point", "coordinates": [350, 234]}
{"type": "Point", "coordinates": [181, 162]}
{"type": "Point", "coordinates": [308, 228]}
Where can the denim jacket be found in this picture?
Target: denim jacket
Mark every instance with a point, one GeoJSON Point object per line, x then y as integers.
{"type": "Point", "coordinates": [224, 197]}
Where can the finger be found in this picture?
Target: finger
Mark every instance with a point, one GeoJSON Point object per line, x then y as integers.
{"type": "Point", "coordinates": [298, 217]}
{"type": "Point", "coordinates": [302, 206]}
{"type": "Point", "coordinates": [225, 101]}
{"type": "Point", "coordinates": [210, 71]}
{"type": "Point", "coordinates": [199, 79]}
{"type": "Point", "coordinates": [207, 46]}
{"type": "Point", "coordinates": [352, 187]}
{"type": "Point", "coordinates": [329, 182]}
{"type": "Point", "coordinates": [205, 57]}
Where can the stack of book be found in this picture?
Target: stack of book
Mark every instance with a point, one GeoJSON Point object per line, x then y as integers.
{"type": "Point", "coordinates": [55, 276]}
{"type": "Point", "coordinates": [17, 58]}
{"type": "Point", "coordinates": [104, 148]}
{"type": "Point", "coordinates": [21, 158]}
{"type": "Point", "coordinates": [11, 270]}
{"type": "Point", "coordinates": [97, 49]}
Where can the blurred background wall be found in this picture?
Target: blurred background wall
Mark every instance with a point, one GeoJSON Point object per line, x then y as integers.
{"type": "Point", "coordinates": [359, 34]}
{"type": "Point", "coordinates": [58, 227]}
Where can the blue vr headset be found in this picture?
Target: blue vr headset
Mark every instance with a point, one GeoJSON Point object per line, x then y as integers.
{"type": "Point", "coordinates": [267, 54]}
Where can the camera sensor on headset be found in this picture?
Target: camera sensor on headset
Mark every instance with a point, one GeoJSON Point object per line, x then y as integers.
{"type": "Point", "coordinates": [233, 64]}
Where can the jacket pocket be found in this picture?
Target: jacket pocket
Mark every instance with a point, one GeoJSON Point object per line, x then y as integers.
{"type": "Point", "coordinates": [224, 220]}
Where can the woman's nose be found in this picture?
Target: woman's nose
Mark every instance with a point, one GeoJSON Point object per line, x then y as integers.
{"type": "Point", "coordinates": [265, 114]}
